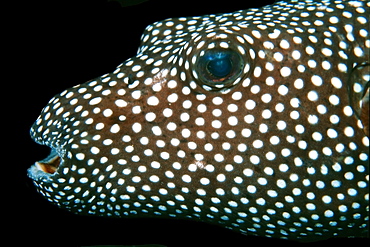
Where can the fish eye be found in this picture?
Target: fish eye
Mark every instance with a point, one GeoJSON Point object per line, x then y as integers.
{"type": "Point", "coordinates": [219, 68]}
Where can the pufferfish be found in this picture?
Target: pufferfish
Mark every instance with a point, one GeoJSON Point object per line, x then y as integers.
{"type": "Point", "coordinates": [255, 120]}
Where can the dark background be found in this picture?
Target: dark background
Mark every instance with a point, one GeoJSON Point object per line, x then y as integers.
{"type": "Point", "coordinates": [54, 45]}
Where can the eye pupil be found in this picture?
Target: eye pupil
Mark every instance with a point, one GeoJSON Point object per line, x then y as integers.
{"type": "Point", "coordinates": [220, 66]}
{"type": "Point", "coordinates": [218, 69]}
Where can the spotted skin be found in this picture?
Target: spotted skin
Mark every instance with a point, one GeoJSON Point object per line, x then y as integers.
{"type": "Point", "coordinates": [278, 148]}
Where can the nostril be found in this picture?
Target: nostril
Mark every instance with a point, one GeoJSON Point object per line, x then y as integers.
{"type": "Point", "coordinates": [130, 79]}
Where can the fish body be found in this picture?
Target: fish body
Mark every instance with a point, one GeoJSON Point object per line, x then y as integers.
{"type": "Point", "coordinates": [254, 120]}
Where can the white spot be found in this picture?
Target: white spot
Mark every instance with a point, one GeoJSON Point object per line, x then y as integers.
{"type": "Point", "coordinates": [358, 51]}
{"type": "Point", "coordinates": [204, 181]}
{"type": "Point", "coordinates": [80, 156]}
{"type": "Point", "coordinates": [313, 154]}
{"type": "Point", "coordinates": [310, 206]}
{"type": "Point", "coordinates": [268, 45]}
{"type": "Point", "coordinates": [186, 133]}
{"type": "Point", "coordinates": [246, 132]}
{"type": "Point", "coordinates": [327, 52]}
{"type": "Point", "coordinates": [312, 96]}
{"type": "Point", "coordinates": [136, 94]}
{"type": "Point", "coordinates": [319, 184]}
{"type": "Point", "coordinates": [172, 98]}
{"type": "Point", "coordinates": [250, 104]}
{"type": "Point", "coordinates": [251, 189]}
{"type": "Point", "coordinates": [347, 110]}
{"type": "Point", "coordinates": [248, 172]}
{"type": "Point", "coordinates": [269, 171]}
{"type": "Point", "coordinates": [270, 156]}
{"type": "Point", "coordinates": [269, 66]}
{"type": "Point", "coordinates": [257, 72]}
{"type": "Point", "coordinates": [281, 183]}
{"type": "Point", "coordinates": [115, 128]}
{"type": "Point", "coordinates": [221, 177]}
{"type": "Point", "coordinates": [220, 192]}
{"type": "Point", "coordinates": [136, 109]}
{"type": "Point", "coordinates": [348, 175]}
{"type": "Point", "coordinates": [186, 178]}
{"type": "Point", "coordinates": [299, 129]}
{"type": "Point", "coordinates": [283, 167]}
{"type": "Point", "coordinates": [317, 136]}
{"type": "Point", "coordinates": [150, 116]}
{"type": "Point", "coordinates": [278, 57]}
{"type": "Point", "coordinates": [310, 195]}
{"type": "Point", "coordinates": [157, 130]}
{"type": "Point", "coordinates": [333, 20]}
{"type": "Point", "coordinates": [153, 101]}
{"type": "Point", "coordinates": [219, 157]}
{"type": "Point", "coordinates": [285, 71]}
{"type": "Point", "coordinates": [154, 178]}
{"type": "Point", "coordinates": [284, 44]}
{"type": "Point", "coordinates": [349, 131]}
{"type": "Point", "coordinates": [120, 103]}
{"type": "Point", "coordinates": [283, 90]}
{"type": "Point", "coordinates": [270, 81]}
{"type": "Point", "coordinates": [342, 67]}
{"type": "Point", "coordinates": [255, 89]}
{"type": "Point", "coordinates": [95, 101]}
{"type": "Point", "coordinates": [171, 126]}
{"type": "Point", "coordinates": [107, 112]}
{"type": "Point", "coordinates": [352, 192]}
{"type": "Point", "coordinates": [94, 150]}
{"type": "Point", "coordinates": [274, 34]}
{"type": "Point", "coordinates": [179, 198]}
{"type": "Point", "coordinates": [321, 109]}
{"type": "Point", "coordinates": [298, 83]}
{"type": "Point", "coordinates": [326, 65]}
{"type": "Point", "coordinates": [254, 159]}
{"type": "Point", "coordinates": [272, 193]}
{"type": "Point", "coordinates": [310, 50]}
{"type": "Point", "coordinates": [257, 144]}
{"type": "Point", "coordinates": [334, 100]}
{"type": "Point", "coordinates": [233, 121]}
{"type": "Point", "coordinates": [296, 54]}
{"type": "Point", "coordinates": [184, 116]}
{"type": "Point", "coordinates": [332, 133]}
{"type": "Point", "coordinates": [261, 201]}
{"type": "Point", "coordinates": [217, 100]}
{"type": "Point", "coordinates": [136, 127]}
{"type": "Point", "coordinates": [316, 80]}
{"type": "Point", "coordinates": [216, 124]}
{"type": "Point", "coordinates": [294, 115]}
{"type": "Point", "coordinates": [256, 34]}
{"type": "Point", "coordinates": [281, 125]}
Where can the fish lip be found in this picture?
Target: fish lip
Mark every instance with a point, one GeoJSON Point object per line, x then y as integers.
{"type": "Point", "coordinates": [45, 169]}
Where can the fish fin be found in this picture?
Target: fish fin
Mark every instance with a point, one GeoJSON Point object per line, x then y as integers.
{"type": "Point", "coordinates": [358, 88]}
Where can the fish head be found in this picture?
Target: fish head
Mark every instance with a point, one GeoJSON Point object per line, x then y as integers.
{"type": "Point", "coordinates": [226, 119]}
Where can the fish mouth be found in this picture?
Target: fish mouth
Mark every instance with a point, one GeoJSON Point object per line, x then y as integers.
{"type": "Point", "coordinates": [49, 164]}
{"type": "Point", "coordinates": [47, 167]}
